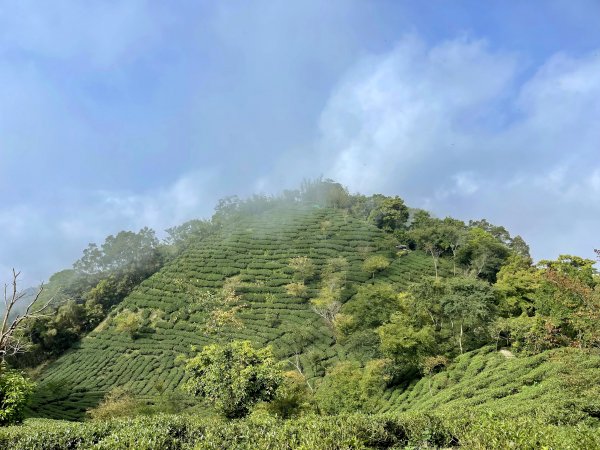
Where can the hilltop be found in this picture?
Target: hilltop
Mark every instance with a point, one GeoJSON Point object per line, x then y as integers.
{"type": "Point", "coordinates": [253, 256]}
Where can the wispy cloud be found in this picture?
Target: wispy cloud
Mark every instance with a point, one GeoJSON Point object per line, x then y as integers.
{"type": "Point", "coordinates": [456, 128]}
{"type": "Point", "coordinates": [114, 114]}
{"type": "Point", "coordinates": [96, 34]}
{"type": "Point", "coordinates": [54, 238]}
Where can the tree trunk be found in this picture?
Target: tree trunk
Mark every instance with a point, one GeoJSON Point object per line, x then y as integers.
{"type": "Point", "coordinates": [434, 264]}
{"type": "Point", "coordinates": [460, 338]}
{"type": "Point", "coordinates": [454, 260]}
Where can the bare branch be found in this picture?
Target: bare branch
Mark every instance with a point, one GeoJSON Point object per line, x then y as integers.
{"type": "Point", "coordinates": [10, 344]}
{"type": "Point", "coordinates": [298, 368]}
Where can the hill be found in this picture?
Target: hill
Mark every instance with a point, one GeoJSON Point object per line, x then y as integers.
{"type": "Point", "coordinates": [372, 324]}
{"type": "Point", "coordinates": [252, 257]}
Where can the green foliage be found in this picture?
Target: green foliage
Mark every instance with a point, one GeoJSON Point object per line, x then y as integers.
{"type": "Point", "coordinates": [483, 253]}
{"type": "Point", "coordinates": [434, 364]}
{"type": "Point", "coordinates": [15, 391]}
{"type": "Point", "coordinates": [455, 312]}
{"type": "Point", "coordinates": [237, 281]}
{"type": "Point", "coordinates": [326, 193]}
{"type": "Point", "coordinates": [404, 343]}
{"type": "Point", "coordinates": [559, 301]}
{"type": "Point", "coordinates": [353, 431]}
{"type": "Point", "coordinates": [294, 397]}
{"type": "Point", "coordinates": [424, 302]}
{"type": "Point", "coordinates": [125, 251]}
{"type": "Point", "coordinates": [296, 289]}
{"type": "Point", "coordinates": [375, 264]}
{"type": "Point", "coordinates": [336, 268]}
{"type": "Point", "coordinates": [193, 231]}
{"type": "Point", "coordinates": [263, 269]}
{"type": "Point", "coordinates": [327, 304]}
{"type": "Point", "coordinates": [117, 403]}
{"type": "Point", "coordinates": [303, 268]}
{"type": "Point", "coordinates": [234, 376]}
{"type": "Point", "coordinates": [469, 304]}
{"type": "Point", "coordinates": [102, 278]}
{"type": "Point", "coordinates": [371, 306]}
{"type": "Point", "coordinates": [431, 239]}
{"type": "Point", "coordinates": [558, 387]}
{"type": "Point", "coordinates": [528, 334]}
{"type": "Point", "coordinates": [348, 387]}
{"type": "Point", "coordinates": [244, 268]}
{"type": "Point", "coordinates": [389, 214]}
{"type": "Point", "coordinates": [517, 284]}
{"type": "Point", "coordinates": [129, 322]}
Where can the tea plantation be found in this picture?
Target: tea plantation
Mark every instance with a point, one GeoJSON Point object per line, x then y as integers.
{"type": "Point", "coordinates": [250, 263]}
{"type": "Point", "coordinates": [483, 401]}
{"type": "Point", "coordinates": [558, 386]}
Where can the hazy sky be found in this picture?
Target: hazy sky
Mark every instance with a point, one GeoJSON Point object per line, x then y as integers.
{"type": "Point", "coordinates": [120, 114]}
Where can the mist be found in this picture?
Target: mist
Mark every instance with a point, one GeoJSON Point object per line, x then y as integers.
{"type": "Point", "coordinates": [130, 114]}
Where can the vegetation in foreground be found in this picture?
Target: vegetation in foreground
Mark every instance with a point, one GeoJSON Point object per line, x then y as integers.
{"type": "Point", "coordinates": [355, 431]}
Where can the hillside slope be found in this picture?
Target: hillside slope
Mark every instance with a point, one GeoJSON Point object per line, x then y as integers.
{"type": "Point", "coordinates": [253, 257]}
{"type": "Point", "coordinates": [484, 400]}
{"type": "Point", "coordinates": [557, 386]}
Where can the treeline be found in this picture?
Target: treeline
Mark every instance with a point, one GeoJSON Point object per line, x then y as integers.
{"type": "Point", "coordinates": [397, 337]}
{"type": "Point", "coordinates": [83, 296]}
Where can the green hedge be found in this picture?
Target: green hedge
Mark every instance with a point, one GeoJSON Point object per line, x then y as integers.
{"type": "Point", "coordinates": [334, 432]}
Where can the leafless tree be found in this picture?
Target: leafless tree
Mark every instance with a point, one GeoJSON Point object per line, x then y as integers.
{"type": "Point", "coordinates": [327, 311]}
{"type": "Point", "coordinates": [298, 366]}
{"type": "Point", "coordinates": [10, 342]}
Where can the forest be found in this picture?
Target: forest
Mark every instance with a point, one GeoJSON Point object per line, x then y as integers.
{"type": "Point", "coordinates": [316, 318]}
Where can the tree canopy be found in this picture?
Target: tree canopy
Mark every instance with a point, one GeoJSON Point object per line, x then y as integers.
{"type": "Point", "coordinates": [234, 376]}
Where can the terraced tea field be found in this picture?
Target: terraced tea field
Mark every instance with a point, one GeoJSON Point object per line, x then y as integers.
{"type": "Point", "coordinates": [558, 387]}
{"type": "Point", "coordinates": [251, 259]}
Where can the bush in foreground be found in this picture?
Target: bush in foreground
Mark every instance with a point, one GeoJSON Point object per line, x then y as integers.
{"type": "Point", "coordinates": [15, 391]}
{"type": "Point", "coordinates": [333, 432]}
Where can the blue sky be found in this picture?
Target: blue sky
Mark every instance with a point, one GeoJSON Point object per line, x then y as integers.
{"type": "Point", "coordinates": [120, 114]}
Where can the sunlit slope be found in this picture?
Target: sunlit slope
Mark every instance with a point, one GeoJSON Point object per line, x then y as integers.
{"type": "Point", "coordinates": [558, 386]}
{"type": "Point", "coordinates": [256, 251]}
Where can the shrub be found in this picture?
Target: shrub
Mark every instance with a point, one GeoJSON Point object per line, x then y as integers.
{"type": "Point", "coordinates": [234, 376]}
{"type": "Point", "coordinates": [15, 391]}
{"type": "Point", "coordinates": [375, 264]}
{"type": "Point", "coordinates": [117, 403]}
{"type": "Point", "coordinates": [296, 289]}
{"type": "Point", "coordinates": [129, 322]}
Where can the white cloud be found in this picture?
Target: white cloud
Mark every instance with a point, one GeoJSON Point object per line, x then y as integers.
{"type": "Point", "coordinates": [191, 196]}
{"type": "Point", "coordinates": [412, 109]}
{"type": "Point", "coordinates": [98, 33]}
{"type": "Point", "coordinates": [59, 236]}
{"type": "Point", "coordinates": [454, 127]}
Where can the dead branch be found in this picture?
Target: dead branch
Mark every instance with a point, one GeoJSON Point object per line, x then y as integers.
{"type": "Point", "coordinates": [298, 367]}
{"type": "Point", "coordinates": [10, 344]}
